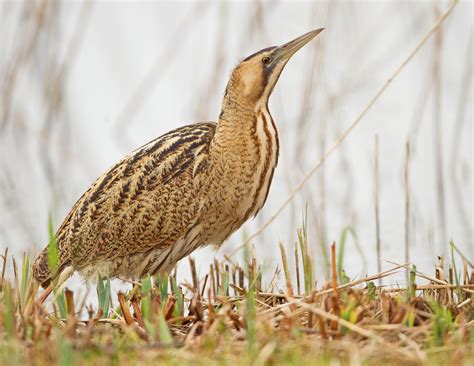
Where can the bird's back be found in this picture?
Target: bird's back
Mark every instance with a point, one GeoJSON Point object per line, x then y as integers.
{"type": "Point", "coordinates": [147, 201]}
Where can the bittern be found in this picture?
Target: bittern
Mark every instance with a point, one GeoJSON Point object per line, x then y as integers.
{"type": "Point", "coordinates": [191, 187]}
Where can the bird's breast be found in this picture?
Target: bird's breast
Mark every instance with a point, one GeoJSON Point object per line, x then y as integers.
{"type": "Point", "coordinates": [242, 177]}
{"type": "Point", "coordinates": [266, 136]}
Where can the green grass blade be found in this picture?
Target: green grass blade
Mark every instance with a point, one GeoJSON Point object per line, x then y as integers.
{"type": "Point", "coordinates": [53, 255]}
{"type": "Point", "coordinates": [8, 311]}
{"type": "Point", "coordinates": [306, 258]}
{"type": "Point", "coordinates": [25, 280]}
{"type": "Point", "coordinates": [162, 283]}
{"type": "Point", "coordinates": [61, 302]}
{"type": "Point", "coordinates": [177, 312]}
{"type": "Point", "coordinates": [456, 277]}
{"type": "Point", "coordinates": [146, 299]}
{"type": "Point", "coordinates": [163, 329]}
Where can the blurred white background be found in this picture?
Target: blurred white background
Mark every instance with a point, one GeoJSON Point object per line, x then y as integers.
{"type": "Point", "coordinates": [85, 83]}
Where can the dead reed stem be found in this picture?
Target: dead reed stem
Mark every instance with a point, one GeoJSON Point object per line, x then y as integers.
{"type": "Point", "coordinates": [438, 155]}
{"type": "Point", "coordinates": [406, 185]}
{"type": "Point", "coordinates": [376, 206]}
{"type": "Point", "coordinates": [459, 129]}
{"type": "Point", "coordinates": [353, 327]}
{"type": "Point", "coordinates": [334, 284]}
{"type": "Point", "coordinates": [4, 267]}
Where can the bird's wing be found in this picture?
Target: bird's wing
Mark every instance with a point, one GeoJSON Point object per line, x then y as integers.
{"type": "Point", "coordinates": [146, 200]}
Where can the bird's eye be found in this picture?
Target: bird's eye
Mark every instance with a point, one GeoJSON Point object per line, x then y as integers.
{"type": "Point", "coordinates": [266, 60]}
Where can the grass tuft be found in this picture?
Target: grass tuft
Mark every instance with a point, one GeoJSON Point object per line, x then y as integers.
{"type": "Point", "coordinates": [233, 315]}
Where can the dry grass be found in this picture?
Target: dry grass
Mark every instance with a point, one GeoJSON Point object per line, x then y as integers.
{"type": "Point", "coordinates": [230, 316]}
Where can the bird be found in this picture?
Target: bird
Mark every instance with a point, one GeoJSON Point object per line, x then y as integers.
{"type": "Point", "coordinates": [191, 187]}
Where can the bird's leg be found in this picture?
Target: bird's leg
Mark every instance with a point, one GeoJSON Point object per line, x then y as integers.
{"type": "Point", "coordinates": [65, 274]}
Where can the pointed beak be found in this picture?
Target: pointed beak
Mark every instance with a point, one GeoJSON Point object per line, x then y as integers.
{"type": "Point", "coordinates": [284, 52]}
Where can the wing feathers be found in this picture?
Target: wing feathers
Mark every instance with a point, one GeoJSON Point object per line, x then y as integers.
{"type": "Point", "coordinates": [145, 200]}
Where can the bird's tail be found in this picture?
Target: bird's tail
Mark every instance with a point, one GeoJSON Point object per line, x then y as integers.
{"type": "Point", "coordinates": [42, 271]}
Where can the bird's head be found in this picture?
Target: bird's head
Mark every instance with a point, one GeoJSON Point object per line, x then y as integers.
{"type": "Point", "coordinates": [255, 77]}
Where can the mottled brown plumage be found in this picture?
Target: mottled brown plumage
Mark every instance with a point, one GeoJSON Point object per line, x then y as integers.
{"type": "Point", "coordinates": [191, 187]}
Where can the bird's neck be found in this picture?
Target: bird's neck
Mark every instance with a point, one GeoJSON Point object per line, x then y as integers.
{"type": "Point", "coordinates": [244, 154]}
{"type": "Point", "coordinates": [238, 114]}
{"type": "Point", "coordinates": [245, 128]}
